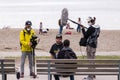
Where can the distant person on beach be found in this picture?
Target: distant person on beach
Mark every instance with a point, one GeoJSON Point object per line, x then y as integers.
{"type": "Point", "coordinates": [26, 49]}
{"type": "Point", "coordinates": [60, 26]}
{"type": "Point", "coordinates": [45, 30]}
{"type": "Point", "coordinates": [91, 46]}
{"type": "Point", "coordinates": [68, 26]}
{"type": "Point", "coordinates": [78, 25]}
{"type": "Point", "coordinates": [55, 48]}
{"type": "Point", "coordinates": [40, 28]}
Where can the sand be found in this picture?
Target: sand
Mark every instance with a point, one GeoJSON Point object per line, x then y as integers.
{"type": "Point", "coordinates": [108, 41]}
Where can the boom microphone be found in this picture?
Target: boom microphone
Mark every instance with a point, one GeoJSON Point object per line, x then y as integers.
{"type": "Point", "coordinates": [64, 16]}
{"type": "Point", "coordinates": [77, 23]}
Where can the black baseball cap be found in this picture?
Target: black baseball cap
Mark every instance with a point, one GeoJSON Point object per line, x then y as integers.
{"type": "Point", "coordinates": [28, 23]}
{"type": "Point", "coordinates": [58, 36]}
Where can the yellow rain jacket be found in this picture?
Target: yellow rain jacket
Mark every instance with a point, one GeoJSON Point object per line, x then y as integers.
{"type": "Point", "coordinates": [25, 40]}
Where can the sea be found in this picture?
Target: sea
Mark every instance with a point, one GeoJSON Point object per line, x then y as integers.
{"type": "Point", "coordinates": [14, 13]}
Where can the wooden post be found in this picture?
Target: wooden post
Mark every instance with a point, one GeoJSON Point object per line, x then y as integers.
{"type": "Point", "coordinates": [2, 70]}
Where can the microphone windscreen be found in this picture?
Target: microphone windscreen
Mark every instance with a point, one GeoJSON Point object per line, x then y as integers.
{"type": "Point", "coordinates": [64, 16]}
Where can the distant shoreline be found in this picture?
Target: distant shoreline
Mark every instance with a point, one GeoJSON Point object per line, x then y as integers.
{"type": "Point", "coordinates": [57, 28]}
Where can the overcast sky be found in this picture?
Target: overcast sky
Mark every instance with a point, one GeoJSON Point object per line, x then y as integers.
{"type": "Point", "coordinates": [105, 8]}
{"type": "Point", "coordinates": [109, 5]}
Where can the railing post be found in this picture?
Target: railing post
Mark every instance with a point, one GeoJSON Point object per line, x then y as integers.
{"type": "Point", "coordinates": [2, 70]}
{"type": "Point", "coordinates": [118, 76]}
{"type": "Point", "coordinates": [119, 72]}
{"type": "Point", "coordinates": [5, 76]}
{"type": "Point", "coordinates": [49, 76]}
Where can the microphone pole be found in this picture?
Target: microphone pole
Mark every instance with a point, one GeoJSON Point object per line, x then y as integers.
{"type": "Point", "coordinates": [77, 23]}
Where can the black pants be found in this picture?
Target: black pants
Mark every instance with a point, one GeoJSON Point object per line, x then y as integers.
{"type": "Point", "coordinates": [57, 77]}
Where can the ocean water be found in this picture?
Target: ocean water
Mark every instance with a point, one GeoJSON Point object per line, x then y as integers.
{"type": "Point", "coordinates": [14, 13]}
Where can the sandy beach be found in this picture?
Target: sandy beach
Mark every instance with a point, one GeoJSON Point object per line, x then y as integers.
{"type": "Point", "coordinates": [108, 41]}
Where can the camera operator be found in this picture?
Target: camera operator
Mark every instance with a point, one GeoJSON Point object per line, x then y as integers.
{"type": "Point", "coordinates": [26, 49]}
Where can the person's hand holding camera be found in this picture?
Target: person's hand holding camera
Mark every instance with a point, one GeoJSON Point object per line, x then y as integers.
{"type": "Point", "coordinates": [30, 43]}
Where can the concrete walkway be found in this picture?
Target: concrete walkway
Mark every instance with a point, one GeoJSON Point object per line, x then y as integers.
{"type": "Point", "coordinates": [45, 77]}
{"type": "Point", "coordinates": [41, 53]}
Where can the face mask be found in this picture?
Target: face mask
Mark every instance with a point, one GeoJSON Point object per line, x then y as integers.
{"type": "Point", "coordinates": [90, 24]}
{"type": "Point", "coordinates": [28, 30]}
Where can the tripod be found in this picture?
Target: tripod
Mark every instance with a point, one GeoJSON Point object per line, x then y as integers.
{"type": "Point", "coordinates": [34, 43]}
{"type": "Point", "coordinates": [33, 60]}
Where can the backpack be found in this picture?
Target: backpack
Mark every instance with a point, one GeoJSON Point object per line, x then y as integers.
{"type": "Point", "coordinates": [83, 41]}
{"type": "Point", "coordinates": [66, 54]}
{"type": "Point", "coordinates": [92, 40]}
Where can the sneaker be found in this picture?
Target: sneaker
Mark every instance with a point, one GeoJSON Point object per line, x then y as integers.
{"type": "Point", "coordinates": [94, 76]}
{"type": "Point", "coordinates": [33, 74]}
{"type": "Point", "coordinates": [22, 75]}
{"type": "Point", "coordinates": [84, 78]}
{"type": "Point", "coordinates": [87, 78]}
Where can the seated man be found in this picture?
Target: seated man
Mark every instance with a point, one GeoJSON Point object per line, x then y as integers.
{"type": "Point", "coordinates": [66, 53]}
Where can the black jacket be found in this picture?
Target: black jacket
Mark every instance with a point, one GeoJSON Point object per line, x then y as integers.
{"type": "Point", "coordinates": [88, 33]}
{"type": "Point", "coordinates": [66, 53]}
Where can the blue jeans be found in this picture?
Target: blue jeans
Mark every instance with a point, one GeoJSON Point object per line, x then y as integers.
{"type": "Point", "coordinates": [57, 77]}
{"type": "Point", "coordinates": [23, 57]}
{"type": "Point", "coordinates": [61, 29]}
{"type": "Point", "coordinates": [78, 28]}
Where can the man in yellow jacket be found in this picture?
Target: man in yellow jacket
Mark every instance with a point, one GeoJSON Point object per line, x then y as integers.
{"type": "Point", "coordinates": [26, 49]}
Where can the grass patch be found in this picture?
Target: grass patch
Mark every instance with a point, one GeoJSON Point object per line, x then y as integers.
{"type": "Point", "coordinates": [79, 57]}
{"type": "Point", "coordinates": [84, 57]}
{"type": "Point", "coordinates": [101, 57]}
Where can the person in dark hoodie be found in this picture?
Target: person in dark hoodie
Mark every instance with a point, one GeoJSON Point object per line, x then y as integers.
{"type": "Point", "coordinates": [91, 45]}
{"type": "Point", "coordinates": [66, 50]}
